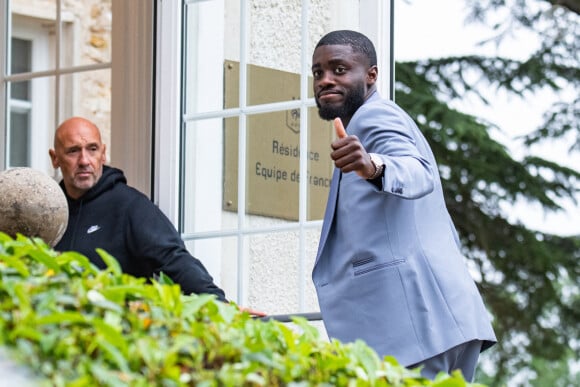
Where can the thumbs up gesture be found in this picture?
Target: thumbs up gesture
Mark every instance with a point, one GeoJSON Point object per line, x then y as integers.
{"type": "Point", "coordinates": [348, 153]}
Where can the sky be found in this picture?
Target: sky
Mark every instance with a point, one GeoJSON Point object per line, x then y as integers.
{"type": "Point", "coordinates": [426, 29]}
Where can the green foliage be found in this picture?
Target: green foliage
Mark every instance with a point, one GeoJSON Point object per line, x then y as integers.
{"type": "Point", "coordinates": [555, 374]}
{"type": "Point", "coordinates": [76, 325]}
{"type": "Point", "coordinates": [529, 279]}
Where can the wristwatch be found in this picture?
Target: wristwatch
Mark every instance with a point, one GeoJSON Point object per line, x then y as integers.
{"type": "Point", "coordinates": [378, 164]}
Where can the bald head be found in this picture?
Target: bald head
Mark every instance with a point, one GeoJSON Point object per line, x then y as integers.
{"type": "Point", "coordinates": [75, 124]}
{"type": "Point", "coordinates": [80, 155]}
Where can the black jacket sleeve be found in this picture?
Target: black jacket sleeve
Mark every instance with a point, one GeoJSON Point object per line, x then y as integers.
{"type": "Point", "coordinates": [153, 238]}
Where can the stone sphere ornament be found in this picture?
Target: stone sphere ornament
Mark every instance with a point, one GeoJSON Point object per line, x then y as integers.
{"type": "Point", "coordinates": [32, 204]}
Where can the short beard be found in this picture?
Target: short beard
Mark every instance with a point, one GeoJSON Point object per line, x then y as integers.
{"type": "Point", "coordinates": [353, 101]}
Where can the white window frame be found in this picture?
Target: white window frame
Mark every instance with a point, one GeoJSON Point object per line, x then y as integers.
{"type": "Point", "coordinates": [167, 107]}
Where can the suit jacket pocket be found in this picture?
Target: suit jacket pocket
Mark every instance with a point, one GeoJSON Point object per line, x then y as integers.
{"type": "Point", "coordinates": [370, 264]}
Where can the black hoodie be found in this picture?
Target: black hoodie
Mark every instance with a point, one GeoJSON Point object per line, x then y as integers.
{"type": "Point", "coordinates": [127, 225]}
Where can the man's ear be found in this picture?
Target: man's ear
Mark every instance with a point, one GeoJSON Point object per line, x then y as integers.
{"type": "Point", "coordinates": [53, 158]}
{"type": "Point", "coordinates": [372, 75]}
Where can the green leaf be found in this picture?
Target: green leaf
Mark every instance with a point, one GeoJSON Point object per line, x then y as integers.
{"type": "Point", "coordinates": [62, 318]}
{"type": "Point", "coordinates": [111, 262]}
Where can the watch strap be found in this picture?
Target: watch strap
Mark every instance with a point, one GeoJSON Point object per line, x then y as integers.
{"type": "Point", "coordinates": [378, 164]}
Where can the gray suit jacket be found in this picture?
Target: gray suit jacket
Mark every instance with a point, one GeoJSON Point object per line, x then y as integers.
{"type": "Point", "coordinates": [389, 269]}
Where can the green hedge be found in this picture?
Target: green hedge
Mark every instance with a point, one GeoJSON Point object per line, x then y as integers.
{"type": "Point", "coordinates": [75, 325]}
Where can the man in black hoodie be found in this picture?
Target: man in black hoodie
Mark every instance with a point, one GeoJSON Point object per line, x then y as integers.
{"type": "Point", "coordinates": [104, 212]}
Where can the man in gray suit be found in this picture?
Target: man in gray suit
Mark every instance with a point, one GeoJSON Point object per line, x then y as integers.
{"type": "Point", "coordinates": [389, 269]}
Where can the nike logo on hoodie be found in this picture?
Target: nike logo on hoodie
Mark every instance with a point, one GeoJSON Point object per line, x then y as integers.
{"type": "Point", "coordinates": [94, 228]}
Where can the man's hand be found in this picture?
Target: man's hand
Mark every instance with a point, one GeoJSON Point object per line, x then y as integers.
{"type": "Point", "coordinates": [348, 153]}
{"type": "Point", "coordinates": [253, 312]}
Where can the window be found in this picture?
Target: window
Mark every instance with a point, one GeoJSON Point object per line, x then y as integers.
{"type": "Point", "coordinates": [230, 140]}
{"type": "Point", "coordinates": [253, 170]}
{"type": "Point", "coordinates": [57, 65]}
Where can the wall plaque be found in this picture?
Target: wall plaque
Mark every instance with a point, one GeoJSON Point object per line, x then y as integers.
{"type": "Point", "coordinates": [273, 148]}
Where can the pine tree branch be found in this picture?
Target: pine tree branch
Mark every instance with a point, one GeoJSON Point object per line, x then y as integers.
{"type": "Point", "coordinates": [571, 5]}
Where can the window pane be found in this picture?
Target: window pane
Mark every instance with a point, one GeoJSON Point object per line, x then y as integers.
{"type": "Point", "coordinates": [88, 94]}
{"type": "Point", "coordinates": [213, 30]}
{"type": "Point", "coordinates": [19, 139]}
{"type": "Point", "coordinates": [21, 59]}
{"type": "Point", "coordinates": [203, 206]}
{"type": "Point", "coordinates": [274, 35]}
{"type": "Point", "coordinates": [207, 39]}
{"type": "Point", "coordinates": [319, 164]}
{"type": "Point", "coordinates": [272, 172]}
{"type": "Point", "coordinates": [85, 32]}
{"type": "Point", "coordinates": [218, 255]}
{"type": "Point", "coordinates": [273, 267]}
{"type": "Point", "coordinates": [312, 236]}
{"type": "Point", "coordinates": [31, 123]}
{"type": "Point", "coordinates": [37, 27]}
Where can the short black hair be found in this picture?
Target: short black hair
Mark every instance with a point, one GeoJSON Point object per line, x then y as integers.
{"type": "Point", "coordinates": [359, 43]}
